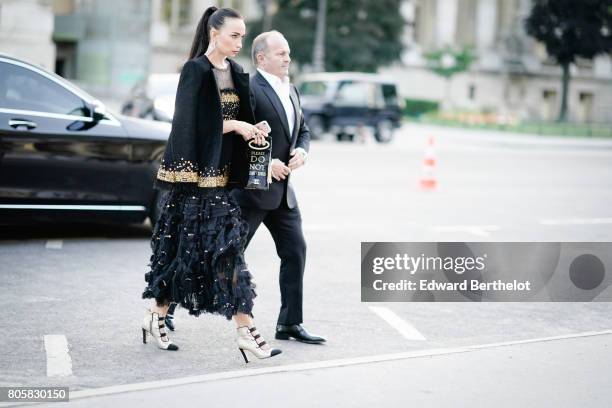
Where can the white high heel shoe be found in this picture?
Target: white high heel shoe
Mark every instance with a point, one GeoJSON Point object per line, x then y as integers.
{"type": "Point", "coordinates": [155, 326]}
{"type": "Point", "coordinates": [249, 341]}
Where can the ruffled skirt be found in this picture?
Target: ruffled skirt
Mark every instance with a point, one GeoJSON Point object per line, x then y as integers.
{"type": "Point", "coordinates": [198, 261]}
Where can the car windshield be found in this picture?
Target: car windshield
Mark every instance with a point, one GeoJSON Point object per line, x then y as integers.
{"type": "Point", "coordinates": [163, 86]}
{"type": "Point", "coordinates": [313, 88]}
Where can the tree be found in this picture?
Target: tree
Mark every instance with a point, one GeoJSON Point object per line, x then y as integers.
{"type": "Point", "coordinates": [571, 29]}
{"type": "Point", "coordinates": [447, 62]}
{"type": "Point", "coordinates": [360, 35]}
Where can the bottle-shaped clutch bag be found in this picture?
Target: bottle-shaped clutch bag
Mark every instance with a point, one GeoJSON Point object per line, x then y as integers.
{"type": "Point", "coordinates": [260, 175]}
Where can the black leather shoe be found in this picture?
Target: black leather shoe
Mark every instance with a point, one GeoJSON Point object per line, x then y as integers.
{"type": "Point", "coordinates": [297, 332]}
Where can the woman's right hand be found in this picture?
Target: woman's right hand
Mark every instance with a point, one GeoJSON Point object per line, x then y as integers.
{"type": "Point", "coordinates": [249, 132]}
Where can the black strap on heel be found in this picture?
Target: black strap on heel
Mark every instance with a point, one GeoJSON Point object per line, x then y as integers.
{"type": "Point", "coordinates": [257, 336]}
{"type": "Point", "coordinates": [161, 325]}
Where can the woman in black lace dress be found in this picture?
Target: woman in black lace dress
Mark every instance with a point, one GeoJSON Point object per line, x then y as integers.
{"type": "Point", "coordinates": [199, 238]}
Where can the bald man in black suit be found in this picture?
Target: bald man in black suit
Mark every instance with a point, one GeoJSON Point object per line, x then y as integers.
{"type": "Point", "coordinates": [276, 101]}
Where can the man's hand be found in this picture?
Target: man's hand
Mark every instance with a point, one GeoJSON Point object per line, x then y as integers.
{"type": "Point", "coordinates": [297, 159]}
{"type": "Point", "coordinates": [279, 170]}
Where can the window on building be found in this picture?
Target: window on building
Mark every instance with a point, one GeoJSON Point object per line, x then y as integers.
{"type": "Point", "coordinates": [584, 63]}
{"type": "Point", "coordinates": [587, 100]}
{"type": "Point", "coordinates": [472, 92]}
{"type": "Point", "coordinates": [65, 59]}
{"type": "Point", "coordinates": [549, 106]}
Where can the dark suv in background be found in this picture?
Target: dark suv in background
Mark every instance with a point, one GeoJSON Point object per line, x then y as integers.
{"type": "Point", "coordinates": [64, 157]}
{"type": "Point", "coordinates": [347, 103]}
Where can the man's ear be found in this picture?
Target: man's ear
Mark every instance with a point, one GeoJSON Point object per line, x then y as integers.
{"type": "Point", "coordinates": [260, 57]}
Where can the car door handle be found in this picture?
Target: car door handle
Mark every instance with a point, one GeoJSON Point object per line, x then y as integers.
{"type": "Point", "coordinates": [16, 123]}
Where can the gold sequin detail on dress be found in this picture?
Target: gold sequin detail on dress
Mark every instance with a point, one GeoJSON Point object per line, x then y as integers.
{"type": "Point", "coordinates": [230, 104]}
{"type": "Point", "coordinates": [184, 172]}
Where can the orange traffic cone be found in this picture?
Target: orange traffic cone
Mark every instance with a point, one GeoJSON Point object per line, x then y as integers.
{"type": "Point", "coordinates": [428, 179]}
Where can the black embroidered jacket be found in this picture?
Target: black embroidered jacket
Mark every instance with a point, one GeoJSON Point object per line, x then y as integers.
{"type": "Point", "coordinates": [193, 152]}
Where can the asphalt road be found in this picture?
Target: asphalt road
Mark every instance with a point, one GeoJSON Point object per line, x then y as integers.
{"type": "Point", "coordinates": [84, 282]}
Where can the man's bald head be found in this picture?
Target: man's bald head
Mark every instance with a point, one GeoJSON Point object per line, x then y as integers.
{"type": "Point", "coordinates": [270, 52]}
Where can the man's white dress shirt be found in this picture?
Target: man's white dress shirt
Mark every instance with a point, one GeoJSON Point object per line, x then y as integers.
{"type": "Point", "coordinates": [282, 88]}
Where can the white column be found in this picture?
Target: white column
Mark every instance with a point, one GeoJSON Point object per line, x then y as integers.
{"type": "Point", "coordinates": [446, 22]}
{"type": "Point", "coordinates": [156, 8]}
{"type": "Point", "coordinates": [410, 53]}
{"type": "Point", "coordinates": [174, 15]}
{"type": "Point", "coordinates": [159, 29]}
{"type": "Point", "coordinates": [486, 18]}
{"type": "Point", "coordinates": [407, 12]}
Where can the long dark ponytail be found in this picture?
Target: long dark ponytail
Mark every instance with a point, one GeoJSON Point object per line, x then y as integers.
{"type": "Point", "coordinates": [212, 18]}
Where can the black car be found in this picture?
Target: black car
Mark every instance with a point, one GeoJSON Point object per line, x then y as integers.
{"type": "Point", "coordinates": [349, 104]}
{"type": "Point", "coordinates": [64, 157]}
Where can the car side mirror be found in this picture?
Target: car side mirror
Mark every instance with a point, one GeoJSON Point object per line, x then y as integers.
{"type": "Point", "coordinates": [99, 110]}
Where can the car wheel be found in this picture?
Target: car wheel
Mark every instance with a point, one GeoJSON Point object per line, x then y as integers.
{"type": "Point", "coordinates": [384, 131]}
{"type": "Point", "coordinates": [316, 126]}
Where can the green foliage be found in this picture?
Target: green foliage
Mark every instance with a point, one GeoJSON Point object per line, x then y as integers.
{"type": "Point", "coordinates": [417, 107]}
{"type": "Point", "coordinates": [360, 35]}
{"type": "Point", "coordinates": [570, 28]}
{"type": "Point", "coordinates": [447, 62]}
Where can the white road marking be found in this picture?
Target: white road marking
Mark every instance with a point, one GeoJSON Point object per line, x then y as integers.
{"type": "Point", "coordinates": [118, 389]}
{"type": "Point", "coordinates": [479, 230]}
{"type": "Point", "coordinates": [577, 221]}
{"type": "Point", "coordinates": [402, 326]}
{"type": "Point", "coordinates": [59, 362]}
{"type": "Point", "coordinates": [54, 244]}
{"type": "Point", "coordinates": [73, 207]}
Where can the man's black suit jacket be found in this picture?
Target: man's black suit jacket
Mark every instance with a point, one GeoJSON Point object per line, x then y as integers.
{"type": "Point", "coordinates": [267, 106]}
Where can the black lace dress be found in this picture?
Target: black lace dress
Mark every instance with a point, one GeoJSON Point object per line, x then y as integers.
{"type": "Point", "coordinates": [199, 238]}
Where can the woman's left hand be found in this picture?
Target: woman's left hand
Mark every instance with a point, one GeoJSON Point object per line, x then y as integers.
{"type": "Point", "coordinates": [247, 131]}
